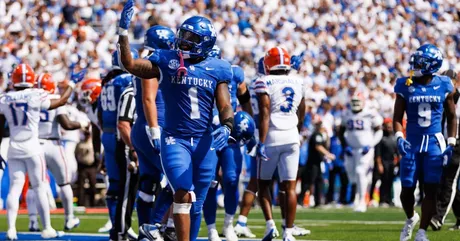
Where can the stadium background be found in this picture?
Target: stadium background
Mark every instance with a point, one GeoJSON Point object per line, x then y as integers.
{"type": "Point", "coordinates": [349, 45]}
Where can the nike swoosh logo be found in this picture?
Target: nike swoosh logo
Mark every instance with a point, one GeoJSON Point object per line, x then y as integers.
{"type": "Point", "coordinates": [212, 148]}
{"type": "Point", "coordinates": [436, 87]}
{"type": "Point", "coordinates": [207, 68]}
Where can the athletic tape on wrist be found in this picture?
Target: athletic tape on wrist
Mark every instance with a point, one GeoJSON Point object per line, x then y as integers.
{"type": "Point", "coordinates": [399, 134]}
{"type": "Point", "coordinates": [451, 141]}
{"type": "Point", "coordinates": [122, 32]}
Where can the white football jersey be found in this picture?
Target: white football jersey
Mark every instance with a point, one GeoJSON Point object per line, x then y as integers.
{"type": "Point", "coordinates": [286, 93]}
{"type": "Point", "coordinates": [22, 111]}
{"type": "Point", "coordinates": [49, 126]}
{"type": "Point", "coordinates": [360, 126]}
{"type": "Point", "coordinates": [74, 115]}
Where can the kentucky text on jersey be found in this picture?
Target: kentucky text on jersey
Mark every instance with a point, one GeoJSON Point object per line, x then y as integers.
{"type": "Point", "coordinates": [187, 80]}
{"type": "Point", "coordinates": [425, 99]}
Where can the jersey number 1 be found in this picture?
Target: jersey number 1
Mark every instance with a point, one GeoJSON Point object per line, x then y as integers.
{"type": "Point", "coordinates": [25, 107]}
{"type": "Point", "coordinates": [194, 108]}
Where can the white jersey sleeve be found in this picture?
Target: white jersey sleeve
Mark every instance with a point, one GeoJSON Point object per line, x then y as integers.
{"type": "Point", "coordinates": [49, 125]}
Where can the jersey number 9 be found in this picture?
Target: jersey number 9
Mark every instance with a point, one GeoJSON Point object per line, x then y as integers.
{"type": "Point", "coordinates": [424, 113]}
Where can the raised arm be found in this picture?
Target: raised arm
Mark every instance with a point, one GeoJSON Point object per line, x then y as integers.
{"type": "Point", "coordinates": [55, 103]}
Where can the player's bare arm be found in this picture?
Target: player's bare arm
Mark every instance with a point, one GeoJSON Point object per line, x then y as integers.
{"type": "Point", "coordinates": [223, 105]}
{"type": "Point", "coordinates": [451, 116]}
{"type": "Point", "coordinates": [149, 94]}
{"type": "Point", "coordinates": [67, 124]}
{"type": "Point", "coordinates": [398, 115]}
{"type": "Point", "coordinates": [244, 98]}
{"type": "Point", "coordinates": [55, 103]}
{"type": "Point", "coordinates": [264, 113]}
{"type": "Point", "coordinates": [141, 68]}
{"type": "Point", "coordinates": [301, 114]}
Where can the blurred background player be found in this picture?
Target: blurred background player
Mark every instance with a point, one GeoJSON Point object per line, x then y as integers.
{"type": "Point", "coordinates": [108, 118]}
{"type": "Point", "coordinates": [188, 145]}
{"type": "Point", "coordinates": [21, 108]}
{"type": "Point", "coordinates": [423, 97]}
{"type": "Point", "coordinates": [230, 160]}
{"type": "Point", "coordinates": [361, 131]}
{"type": "Point", "coordinates": [56, 160]}
{"type": "Point", "coordinates": [281, 113]}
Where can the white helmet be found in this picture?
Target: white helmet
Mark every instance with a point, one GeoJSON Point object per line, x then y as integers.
{"type": "Point", "coordinates": [357, 102]}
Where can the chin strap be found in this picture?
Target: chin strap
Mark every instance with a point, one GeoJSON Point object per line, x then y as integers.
{"type": "Point", "coordinates": [409, 80]}
{"type": "Point", "coordinates": [181, 71]}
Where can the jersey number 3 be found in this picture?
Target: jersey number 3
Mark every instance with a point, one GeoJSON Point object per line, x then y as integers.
{"type": "Point", "coordinates": [288, 93]}
{"type": "Point", "coordinates": [424, 113]}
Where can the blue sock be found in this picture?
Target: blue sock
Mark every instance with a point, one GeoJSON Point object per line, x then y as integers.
{"type": "Point", "coordinates": [162, 205]}
{"type": "Point", "coordinates": [195, 221]}
{"type": "Point", "coordinates": [144, 211]}
{"type": "Point", "coordinates": [231, 197]}
{"type": "Point", "coordinates": [210, 206]}
{"type": "Point", "coordinates": [112, 206]}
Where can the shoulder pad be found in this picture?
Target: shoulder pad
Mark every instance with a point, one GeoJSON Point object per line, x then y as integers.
{"type": "Point", "coordinates": [123, 80]}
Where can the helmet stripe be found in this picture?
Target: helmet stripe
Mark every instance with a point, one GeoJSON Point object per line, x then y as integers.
{"type": "Point", "coordinates": [281, 55]}
{"type": "Point", "coordinates": [24, 73]}
{"type": "Point", "coordinates": [39, 81]}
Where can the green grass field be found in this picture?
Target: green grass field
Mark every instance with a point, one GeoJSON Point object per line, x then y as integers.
{"type": "Point", "coordinates": [325, 224]}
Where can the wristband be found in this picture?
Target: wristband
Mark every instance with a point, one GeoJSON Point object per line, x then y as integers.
{"type": "Point", "coordinates": [71, 84]}
{"type": "Point", "coordinates": [155, 132]}
{"type": "Point", "coordinates": [399, 134]}
{"type": "Point", "coordinates": [451, 141]}
{"type": "Point", "coordinates": [122, 31]}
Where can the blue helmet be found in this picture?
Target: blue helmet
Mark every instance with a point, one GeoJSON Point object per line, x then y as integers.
{"type": "Point", "coordinates": [215, 52]}
{"type": "Point", "coordinates": [244, 127]}
{"type": "Point", "coordinates": [261, 66]}
{"type": "Point", "coordinates": [116, 64]}
{"type": "Point", "coordinates": [196, 37]}
{"type": "Point", "coordinates": [426, 60]}
{"type": "Point", "coordinates": [159, 37]}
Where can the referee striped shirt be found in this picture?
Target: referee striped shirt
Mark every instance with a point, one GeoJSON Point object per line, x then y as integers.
{"type": "Point", "coordinates": [127, 106]}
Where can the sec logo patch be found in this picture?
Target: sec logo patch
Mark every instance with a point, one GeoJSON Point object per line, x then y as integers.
{"type": "Point", "coordinates": [173, 64]}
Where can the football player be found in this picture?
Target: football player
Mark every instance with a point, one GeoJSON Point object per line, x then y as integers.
{"type": "Point", "coordinates": [423, 97]}
{"type": "Point", "coordinates": [361, 131]}
{"type": "Point", "coordinates": [230, 159]}
{"type": "Point", "coordinates": [191, 83]}
{"type": "Point", "coordinates": [146, 138]}
{"type": "Point", "coordinates": [56, 160]}
{"type": "Point", "coordinates": [21, 108]}
{"type": "Point", "coordinates": [108, 118]}
{"type": "Point", "coordinates": [281, 112]}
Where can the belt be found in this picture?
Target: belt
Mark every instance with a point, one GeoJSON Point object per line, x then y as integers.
{"type": "Point", "coordinates": [109, 129]}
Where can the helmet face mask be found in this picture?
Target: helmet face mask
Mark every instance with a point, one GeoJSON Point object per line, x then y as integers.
{"type": "Point", "coordinates": [195, 37]}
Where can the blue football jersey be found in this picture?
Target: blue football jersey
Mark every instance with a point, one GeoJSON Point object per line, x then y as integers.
{"type": "Point", "coordinates": [254, 102]}
{"type": "Point", "coordinates": [140, 110]}
{"type": "Point", "coordinates": [238, 78]}
{"type": "Point", "coordinates": [189, 100]}
{"type": "Point", "coordinates": [110, 95]}
{"type": "Point", "coordinates": [424, 104]}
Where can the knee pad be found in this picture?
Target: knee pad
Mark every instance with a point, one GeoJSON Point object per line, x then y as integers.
{"type": "Point", "coordinates": [182, 208]}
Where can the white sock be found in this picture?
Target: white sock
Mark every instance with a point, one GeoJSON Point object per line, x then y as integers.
{"type": "Point", "coordinates": [228, 220]}
{"type": "Point", "coordinates": [12, 202]}
{"type": "Point", "coordinates": [43, 205]}
{"type": "Point", "coordinates": [361, 187]}
{"type": "Point", "coordinates": [67, 201]}
{"type": "Point", "coordinates": [242, 219]}
{"type": "Point", "coordinates": [211, 227]}
{"type": "Point", "coordinates": [170, 223]}
{"type": "Point", "coordinates": [283, 222]}
{"type": "Point", "coordinates": [270, 224]}
{"type": "Point", "coordinates": [31, 204]}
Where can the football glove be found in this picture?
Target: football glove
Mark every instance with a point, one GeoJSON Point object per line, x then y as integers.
{"type": "Point", "coordinates": [403, 146]}
{"type": "Point", "coordinates": [297, 60]}
{"type": "Point", "coordinates": [348, 151]}
{"type": "Point", "coordinates": [366, 150]}
{"type": "Point", "coordinates": [447, 155]}
{"type": "Point", "coordinates": [154, 134]}
{"type": "Point", "coordinates": [261, 155]}
{"type": "Point", "coordinates": [126, 15]}
{"type": "Point", "coordinates": [221, 136]}
{"type": "Point", "coordinates": [251, 144]}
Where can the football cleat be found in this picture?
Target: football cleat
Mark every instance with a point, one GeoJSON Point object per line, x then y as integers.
{"type": "Point", "coordinates": [71, 223]}
{"type": "Point", "coordinates": [421, 236]}
{"type": "Point", "coordinates": [50, 233]}
{"type": "Point", "coordinates": [11, 234]}
{"type": "Point", "coordinates": [229, 233]}
{"type": "Point", "coordinates": [106, 228]}
{"type": "Point", "coordinates": [132, 235]}
{"type": "Point", "coordinates": [213, 235]}
{"type": "Point", "coordinates": [149, 232]}
{"type": "Point", "coordinates": [242, 230]}
{"type": "Point", "coordinates": [169, 234]}
{"type": "Point", "coordinates": [435, 224]}
{"type": "Point", "coordinates": [406, 232]}
{"type": "Point", "coordinates": [33, 226]}
{"type": "Point", "coordinates": [288, 237]}
{"type": "Point", "coordinates": [270, 234]}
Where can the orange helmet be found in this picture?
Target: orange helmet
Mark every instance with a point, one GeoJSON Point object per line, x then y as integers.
{"type": "Point", "coordinates": [23, 76]}
{"type": "Point", "coordinates": [90, 91]}
{"type": "Point", "coordinates": [277, 58]}
{"type": "Point", "coordinates": [46, 82]}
